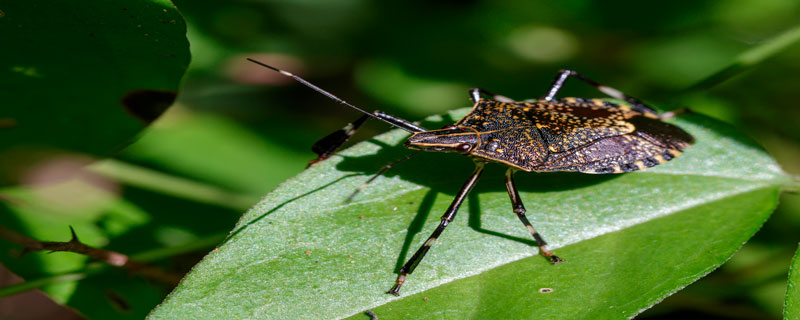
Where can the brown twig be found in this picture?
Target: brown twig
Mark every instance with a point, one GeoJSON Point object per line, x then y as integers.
{"type": "Point", "coordinates": [74, 245]}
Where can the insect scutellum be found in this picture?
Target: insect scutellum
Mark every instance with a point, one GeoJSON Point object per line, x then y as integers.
{"type": "Point", "coordinates": [549, 134]}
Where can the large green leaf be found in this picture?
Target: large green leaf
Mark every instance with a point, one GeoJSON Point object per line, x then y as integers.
{"type": "Point", "coordinates": [83, 76]}
{"type": "Point", "coordinates": [629, 240]}
{"type": "Point", "coordinates": [791, 309]}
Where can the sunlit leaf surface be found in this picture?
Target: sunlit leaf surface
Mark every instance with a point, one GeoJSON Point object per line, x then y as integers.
{"type": "Point", "coordinates": [629, 240]}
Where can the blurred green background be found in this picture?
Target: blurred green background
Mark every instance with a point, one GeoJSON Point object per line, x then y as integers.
{"type": "Point", "coordinates": [238, 130]}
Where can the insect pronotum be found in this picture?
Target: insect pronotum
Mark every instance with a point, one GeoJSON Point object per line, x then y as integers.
{"type": "Point", "coordinates": [548, 134]}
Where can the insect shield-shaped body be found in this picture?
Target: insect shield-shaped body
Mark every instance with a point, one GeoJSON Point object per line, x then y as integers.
{"type": "Point", "coordinates": [590, 136]}
{"type": "Point", "coordinates": [549, 134]}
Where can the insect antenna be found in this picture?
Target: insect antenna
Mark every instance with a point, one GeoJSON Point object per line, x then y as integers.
{"type": "Point", "coordinates": [328, 94]}
{"type": "Point", "coordinates": [380, 172]}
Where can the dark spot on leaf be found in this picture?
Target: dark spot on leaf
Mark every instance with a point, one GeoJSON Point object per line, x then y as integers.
{"type": "Point", "coordinates": [147, 105]}
{"type": "Point", "coordinates": [546, 290]}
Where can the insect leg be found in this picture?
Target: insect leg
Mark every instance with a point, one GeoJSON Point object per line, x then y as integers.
{"type": "Point", "coordinates": [562, 76]}
{"type": "Point", "coordinates": [447, 217]}
{"type": "Point", "coordinates": [378, 174]}
{"type": "Point", "coordinates": [673, 113]}
{"type": "Point", "coordinates": [475, 95]}
{"type": "Point", "coordinates": [326, 146]}
{"type": "Point", "coordinates": [519, 209]}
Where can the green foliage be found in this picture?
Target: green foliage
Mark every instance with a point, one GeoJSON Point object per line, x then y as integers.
{"type": "Point", "coordinates": [80, 80]}
{"type": "Point", "coordinates": [629, 240]}
{"type": "Point", "coordinates": [84, 77]}
{"type": "Point", "coordinates": [791, 309]}
{"type": "Point", "coordinates": [237, 132]}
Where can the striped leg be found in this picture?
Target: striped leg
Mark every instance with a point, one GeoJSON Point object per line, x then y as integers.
{"type": "Point", "coordinates": [447, 217]}
{"type": "Point", "coordinates": [326, 146]}
{"type": "Point", "coordinates": [475, 95]}
{"type": "Point", "coordinates": [519, 209]}
{"type": "Point", "coordinates": [562, 76]}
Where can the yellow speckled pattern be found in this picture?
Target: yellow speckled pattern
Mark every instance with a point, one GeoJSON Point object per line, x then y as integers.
{"type": "Point", "coordinates": [572, 134]}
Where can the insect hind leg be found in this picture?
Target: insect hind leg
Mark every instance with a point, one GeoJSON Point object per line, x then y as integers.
{"type": "Point", "coordinates": [673, 113]}
{"type": "Point", "coordinates": [563, 75]}
{"type": "Point", "coordinates": [475, 95]}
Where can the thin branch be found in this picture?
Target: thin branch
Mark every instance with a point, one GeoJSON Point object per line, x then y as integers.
{"type": "Point", "coordinates": [750, 58]}
{"type": "Point", "coordinates": [74, 245]}
{"type": "Point", "coordinates": [172, 185]}
{"type": "Point", "coordinates": [28, 285]}
{"type": "Point", "coordinates": [96, 267]}
{"type": "Point", "coordinates": [794, 185]}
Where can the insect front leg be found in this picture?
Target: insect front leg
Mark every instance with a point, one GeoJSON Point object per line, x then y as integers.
{"type": "Point", "coordinates": [562, 76]}
{"type": "Point", "coordinates": [447, 217]}
{"type": "Point", "coordinates": [519, 209]}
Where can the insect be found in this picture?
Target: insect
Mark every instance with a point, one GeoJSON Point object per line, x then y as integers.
{"type": "Point", "coordinates": [548, 134]}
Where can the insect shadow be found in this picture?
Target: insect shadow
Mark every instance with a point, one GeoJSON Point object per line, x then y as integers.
{"type": "Point", "coordinates": [445, 172]}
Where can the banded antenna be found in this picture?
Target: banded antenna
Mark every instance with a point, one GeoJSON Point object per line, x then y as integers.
{"type": "Point", "coordinates": [328, 94]}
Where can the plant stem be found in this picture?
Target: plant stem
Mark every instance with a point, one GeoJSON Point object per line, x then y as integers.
{"type": "Point", "coordinates": [172, 185]}
{"type": "Point", "coordinates": [76, 246]}
{"type": "Point", "coordinates": [41, 282]}
{"type": "Point", "coordinates": [750, 58]}
{"type": "Point", "coordinates": [96, 268]}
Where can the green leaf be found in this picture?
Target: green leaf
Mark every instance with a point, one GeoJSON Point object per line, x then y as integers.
{"type": "Point", "coordinates": [629, 240]}
{"type": "Point", "coordinates": [83, 76]}
{"type": "Point", "coordinates": [181, 142]}
{"type": "Point", "coordinates": [146, 226]}
{"type": "Point", "coordinates": [791, 309]}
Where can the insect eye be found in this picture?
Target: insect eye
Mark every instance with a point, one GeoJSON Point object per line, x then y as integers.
{"type": "Point", "coordinates": [464, 147]}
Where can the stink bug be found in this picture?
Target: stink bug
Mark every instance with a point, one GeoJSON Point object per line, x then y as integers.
{"type": "Point", "coordinates": [548, 134]}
